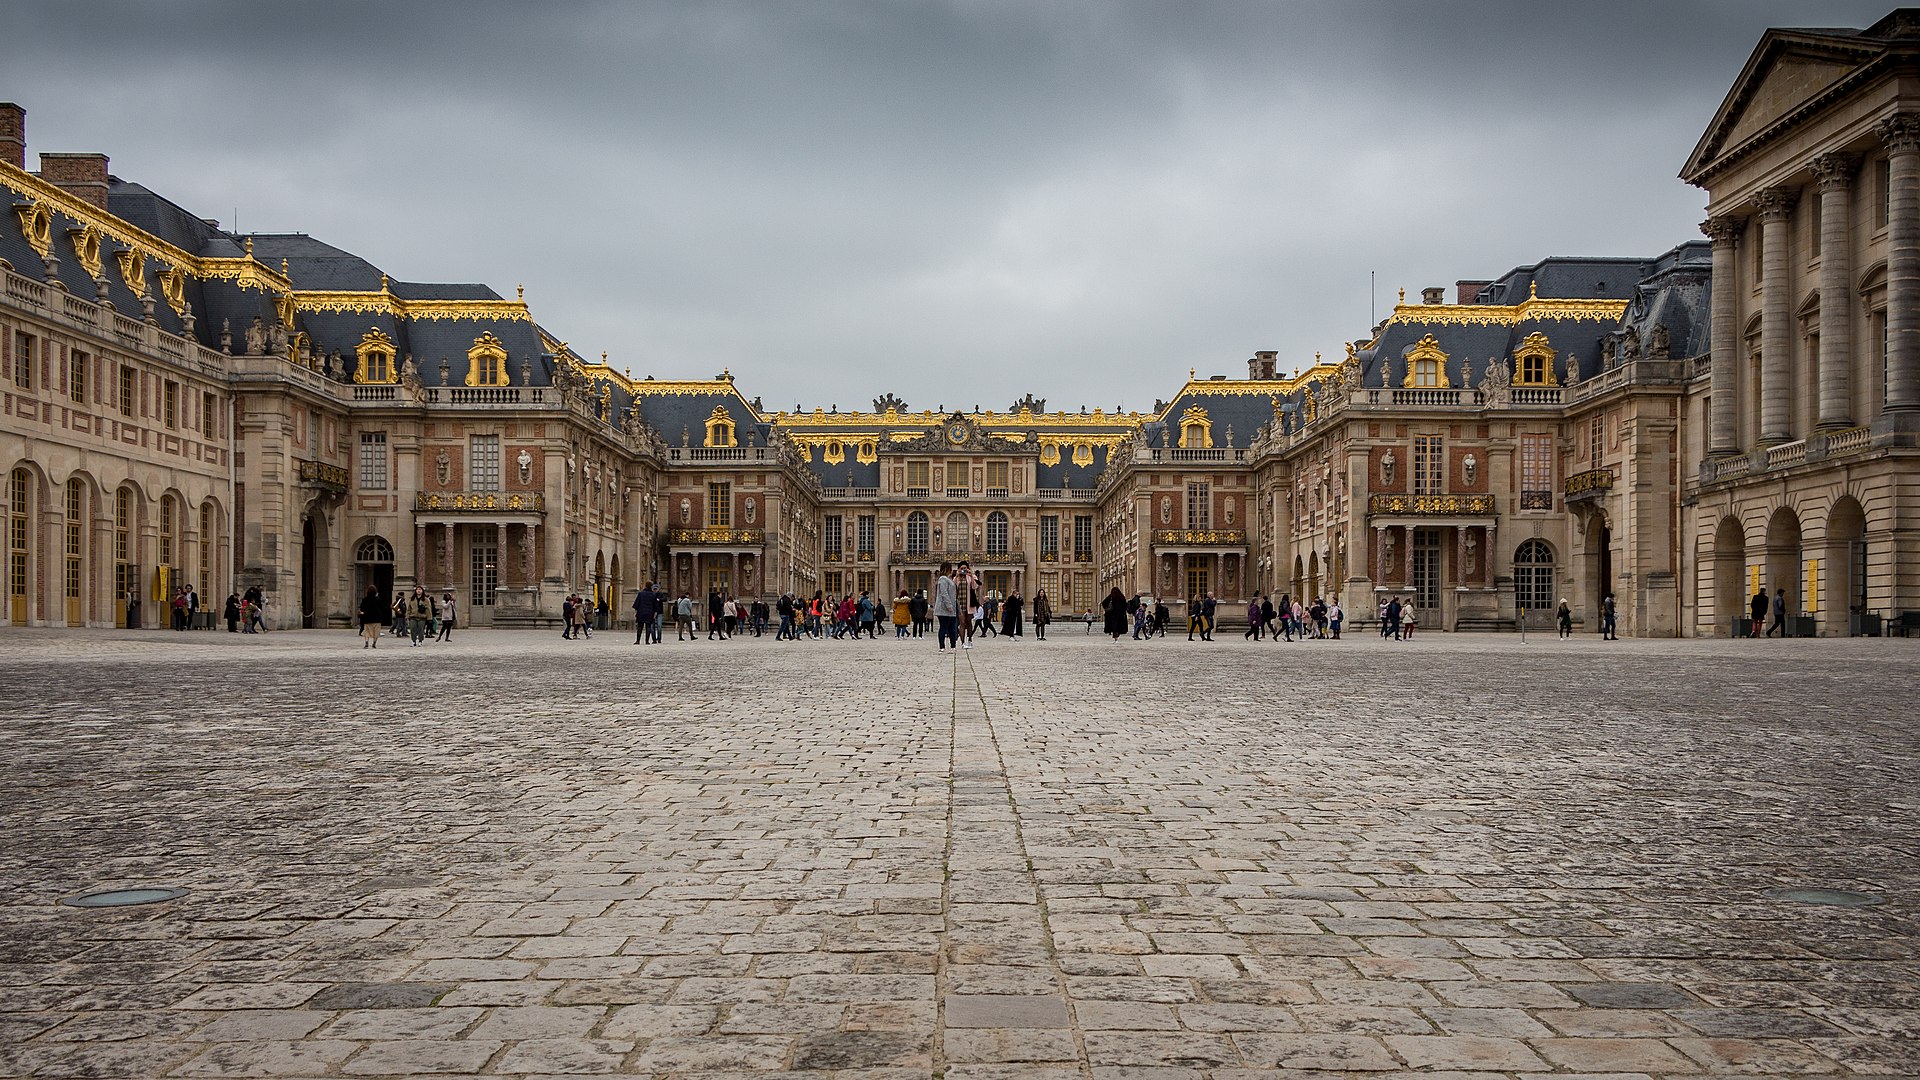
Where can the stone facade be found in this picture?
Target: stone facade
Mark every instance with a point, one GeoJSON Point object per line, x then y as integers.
{"type": "Point", "coordinates": [190, 405]}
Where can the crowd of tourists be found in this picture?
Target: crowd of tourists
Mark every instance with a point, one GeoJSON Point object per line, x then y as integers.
{"type": "Point", "coordinates": [245, 613]}
{"type": "Point", "coordinates": [416, 616]}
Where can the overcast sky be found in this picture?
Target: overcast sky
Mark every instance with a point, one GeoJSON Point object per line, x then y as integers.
{"type": "Point", "coordinates": [956, 202]}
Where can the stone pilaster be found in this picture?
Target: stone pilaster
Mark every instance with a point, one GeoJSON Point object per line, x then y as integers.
{"type": "Point", "coordinates": [1724, 416]}
{"type": "Point", "coordinates": [1835, 175]}
{"type": "Point", "coordinates": [1901, 132]}
{"type": "Point", "coordinates": [1776, 316]}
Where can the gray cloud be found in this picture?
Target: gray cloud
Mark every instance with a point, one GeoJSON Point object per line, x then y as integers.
{"type": "Point", "coordinates": [960, 202]}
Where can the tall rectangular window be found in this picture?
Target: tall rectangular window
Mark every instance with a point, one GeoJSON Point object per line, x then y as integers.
{"type": "Point", "coordinates": [997, 478]}
{"type": "Point", "coordinates": [209, 416]}
{"type": "Point", "coordinates": [864, 539]}
{"type": "Point", "coordinates": [1199, 505]}
{"type": "Point", "coordinates": [483, 564]}
{"type": "Point", "coordinates": [1083, 538]}
{"type": "Point", "coordinates": [832, 534]}
{"type": "Point", "coordinates": [166, 530]}
{"type": "Point", "coordinates": [1536, 472]}
{"type": "Point", "coordinates": [1596, 440]}
{"type": "Point", "coordinates": [917, 481]}
{"type": "Point", "coordinates": [720, 505]}
{"type": "Point", "coordinates": [1049, 536]}
{"type": "Point", "coordinates": [1429, 465]}
{"type": "Point", "coordinates": [77, 370]}
{"type": "Point", "coordinates": [483, 463]}
{"type": "Point", "coordinates": [206, 548]}
{"type": "Point", "coordinates": [23, 360]}
{"type": "Point", "coordinates": [1813, 224]}
{"type": "Point", "coordinates": [373, 461]}
{"type": "Point", "coordinates": [126, 394]}
{"type": "Point", "coordinates": [957, 485]}
{"type": "Point", "coordinates": [170, 404]}
{"type": "Point", "coordinates": [75, 524]}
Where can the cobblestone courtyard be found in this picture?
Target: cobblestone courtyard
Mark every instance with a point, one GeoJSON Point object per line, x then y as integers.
{"type": "Point", "coordinates": [521, 855]}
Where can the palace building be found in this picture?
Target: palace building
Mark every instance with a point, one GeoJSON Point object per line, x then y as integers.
{"type": "Point", "coordinates": [190, 405]}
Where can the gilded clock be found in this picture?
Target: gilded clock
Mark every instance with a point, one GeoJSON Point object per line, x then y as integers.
{"type": "Point", "coordinates": [957, 434]}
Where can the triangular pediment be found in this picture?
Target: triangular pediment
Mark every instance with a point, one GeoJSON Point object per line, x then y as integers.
{"type": "Point", "coordinates": [1790, 70]}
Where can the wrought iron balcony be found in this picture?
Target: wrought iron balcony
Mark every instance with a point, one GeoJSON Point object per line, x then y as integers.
{"type": "Point", "coordinates": [1201, 537]}
{"type": "Point", "coordinates": [1590, 483]}
{"type": "Point", "coordinates": [320, 474]}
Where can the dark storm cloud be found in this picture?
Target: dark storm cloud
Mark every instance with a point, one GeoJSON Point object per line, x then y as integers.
{"type": "Point", "coordinates": [958, 202]}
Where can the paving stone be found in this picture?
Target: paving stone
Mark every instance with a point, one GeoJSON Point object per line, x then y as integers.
{"type": "Point", "coordinates": [1506, 874]}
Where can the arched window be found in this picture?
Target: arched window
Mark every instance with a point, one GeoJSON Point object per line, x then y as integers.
{"type": "Point", "coordinates": [956, 531]}
{"type": "Point", "coordinates": [996, 533]}
{"type": "Point", "coordinates": [917, 532]}
{"type": "Point", "coordinates": [1533, 362]}
{"type": "Point", "coordinates": [720, 427]}
{"type": "Point", "coordinates": [19, 489]}
{"type": "Point", "coordinates": [1426, 365]}
{"type": "Point", "coordinates": [375, 355]}
{"type": "Point", "coordinates": [1196, 430]}
{"type": "Point", "coordinates": [207, 546]}
{"type": "Point", "coordinates": [124, 572]}
{"type": "Point", "coordinates": [487, 361]}
{"type": "Point", "coordinates": [373, 549]}
{"type": "Point", "coordinates": [1533, 576]}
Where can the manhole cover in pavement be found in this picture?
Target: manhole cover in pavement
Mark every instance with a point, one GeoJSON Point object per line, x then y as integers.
{"type": "Point", "coordinates": [124, 897]}
{"type": "Point", "coordinates": [1830, 897]}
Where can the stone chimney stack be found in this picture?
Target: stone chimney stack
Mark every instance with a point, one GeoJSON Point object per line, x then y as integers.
{"type": "Point", "coordinates": [1262, 365]}
{"type": "Point", "coordinates": [13, 135]}
{"type": "Point", "coordinates": [81, 175]}
{"type": "Point", "coordinates": [1433, 295]}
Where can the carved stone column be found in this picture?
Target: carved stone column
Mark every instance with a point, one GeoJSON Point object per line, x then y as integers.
{"type": "Point", "coordinates": [1723, 423]}
{"type": "Point", "coordinates": [1901, 132]}
{"type": "Point", "coordinates": [501, 552]}
{"type": "Point", "coordinates": [1460, 553]}
{"type": "Point", "coordinates": [1380, 554]}
{"type": "Point", "coordinates": [1776, 316]}
{"type": "Point", "coordinates": [1406, 532]}
{"type": "Point", "coordinates": [420, 553]}
{"type": "Point", "coordinates": [1835, 173]}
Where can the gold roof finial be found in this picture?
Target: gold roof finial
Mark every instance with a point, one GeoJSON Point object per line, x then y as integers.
{"type": "Point", "coordinates": [383, 283]}
{"type": "Point", "coordinates": [1403, 294]}
{"type": "Point", "coordinates": [1190, 374]}
{"type": "Point", "coordinates": [283, 268]}
{"type": "Point", "coordinates": [521, 292]}
{"type": "Point", "coordinates": [603, 358]}
{"type": "Point", "coordinates": [1316, 358]}
{"type": "Point", "coordinates": [249, 247]}
{"type": "Point", "coordinates": [1533, 290]}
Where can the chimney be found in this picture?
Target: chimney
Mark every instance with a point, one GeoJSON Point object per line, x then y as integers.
{"type": "Point", "coordinates": [1434, 294]}
{"type": "Point", "coordinates": [13, 135]}
{"type": "Point", "coordinates": [1468, 292]}
{"type": "Point", "coordinates": [81, 175]}
{"type": "Point", "coordinates": [1262, 365]}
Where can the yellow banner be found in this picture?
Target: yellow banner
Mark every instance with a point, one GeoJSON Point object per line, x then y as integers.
{"type": "Point", "coordinates": [1813, 586]}
{"type": "Point", "coordinates": [162, 584]}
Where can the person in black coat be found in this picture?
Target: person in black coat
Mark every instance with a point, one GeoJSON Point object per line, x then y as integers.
{"type": "Point", "coordinates": [374, 614]}
{"type": "Point", "coordinates": [1114, 620]}
{"type": "Point", "coordinates": [232, 613]}
{"type": "Point", "coordinates": [645, 604]}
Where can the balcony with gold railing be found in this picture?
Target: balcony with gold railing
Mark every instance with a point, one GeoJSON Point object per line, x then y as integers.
{"type": "Point", "coordinates": [480, 502]}
{"type": "Point", "coordinates": [717, 537]}
{"type": "Point", "coordinates": [1200, 538]}
{"type": "Point", "coordinates": [1430, 505]}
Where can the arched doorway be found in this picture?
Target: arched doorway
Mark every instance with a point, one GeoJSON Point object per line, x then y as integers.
{"type": "Point", "coordinates": [1783, 558]}
{"type": "Point", "coordinates": [1729, 575]}
{"type": "Point", "coordinates": [1533, 571]}
{"type": "Point", "coordinates": [309, 570]}
{"type": "Point", "coordinates": [1598, 540]}
{"type": "Point", "coordinates": [1312, 588]}
{"type": "Point", "coordinates": [373, 565]}
{"type": "Point", "coordinates": [1847, 565]}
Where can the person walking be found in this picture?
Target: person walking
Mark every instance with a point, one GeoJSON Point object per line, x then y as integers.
{"type": "Point", "coordinates": [1195, 619]}
{"type": "Point", "coordinates": [373, 615]}
{"type": "Point", "coordinates": [418, 611]}
{"type": "Point", "coordinates": [730, 612]}
{"type": "Point", "coordinates": [1042, 615]}
{"type": "Point", "coordinates": [1391, 622]}
{"type": "Point", "coordinates": [917, 608]}
{"type": "Point", "coordinates": [1010, 623]}
{"type": "Point", "coordinates": [1253, 618]}
{"type": "Point", "coordinates": [1609, 628]}
{"type": "Point", "coordinates": [716, 616]}
{"type": "Point", "coordinates": [1779, 613]}
{"type": "Point", "coordinates": [1563, 616]}
{"type": "Point", "coordinates": [1758, 609]}
{"type": "Point", "coordinates": [1114, 613]}
{"type": "Point", "coordinates": [946, 606]}
{"type": "Point", "coordinates": [446, 616]}
{"type": "Point", "coordinates": [1208, 606]}
{"type": "Point", "coordinates": [643, 614]}
{"type": "Point", "coordinates": [232, 612]}
{"type": "Point", "coordinates": [1409, 618]}
{"type": "Point", "coordinates": [1334, 617]}
{"type": "Point", "coordinates": [1267, 616]}
{"type": "Point", "coordinates": [902, 613]}
{"type": "Point", "coordinates": [683, 618]}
